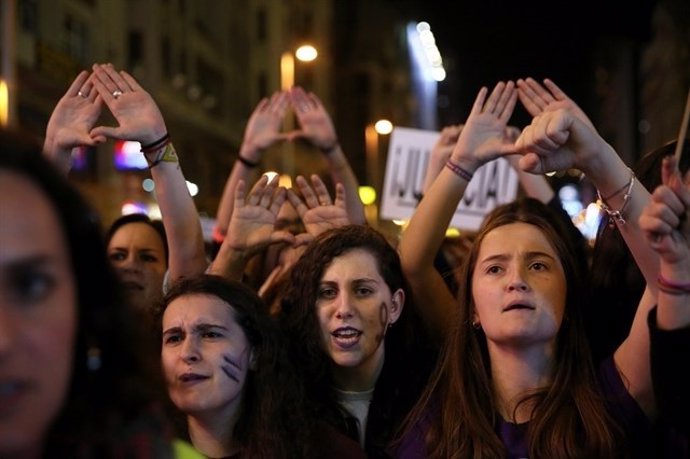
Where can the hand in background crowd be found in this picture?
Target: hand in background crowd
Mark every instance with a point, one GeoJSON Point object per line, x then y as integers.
{"type": "Point", "coordinates": [252, 225]}
{"type": "Point", "coordinates": [318, 211]}
{"type": "Point", "coordinates": [264, 126]}
{"type": "Point", "coordinates": [314, 120]}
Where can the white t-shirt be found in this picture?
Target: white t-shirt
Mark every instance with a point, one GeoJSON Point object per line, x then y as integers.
{"type": "Point", "coordinates": [357, 404]}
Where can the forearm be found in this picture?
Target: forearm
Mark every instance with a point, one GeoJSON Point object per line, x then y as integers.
{"type": "Point", "coordinates": [609, 174]}
{"type": "Point", "coordinates": [341, 172]}
{"type": "Point", "coordinates": [60, 157]}
{"type": "Point", "coordinates": [433, 168]}
{"type": "Point", "coordinates": [426, 230]}
{"type": "Point", "coordinates": [229, 263]}
{"type": "Point", "coordinates": [181, 220]}
{"type": "Point", "coordinates": [240, 171]}
{"type": "Point", "coordinates": [673, 310]}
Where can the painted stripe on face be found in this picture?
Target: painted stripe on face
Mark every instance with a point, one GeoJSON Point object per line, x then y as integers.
{"type": "Point", "coordinates": [231, 370]}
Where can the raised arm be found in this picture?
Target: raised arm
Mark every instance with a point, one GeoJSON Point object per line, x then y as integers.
{"type": "Point", "coordinates": [667, 227]}
{"type": "Point", "coordinates": [71, 122]}
{"type": "Point", "coordinates": [666, 221]}
{"type": "Point", "coordinates": [560, 139]}
{"type": "Point", "coordinates": [317, 128]}
{"type": "Point", "coordinates": [139, 119]}
{"type": "Point", "coordinates": [262, 131]}
{"type": "Point", "coordinates": [481, 140]}
{"type": "Point", "coordinates": [440, 153]}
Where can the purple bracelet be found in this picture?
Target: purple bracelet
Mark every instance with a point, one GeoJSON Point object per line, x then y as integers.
{"type": "Point", "coordinates": [459, 171]}
{"type": "Point", "coordinates": [668, 286]}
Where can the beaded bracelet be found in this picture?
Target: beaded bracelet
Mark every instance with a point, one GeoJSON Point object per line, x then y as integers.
{"type": "Point", "coordinates": [459, 171]}
{"type": "Point", "coordinates": [672, 288]}
{"type": "Point", "coordinates": [246, 162]}
{"type": "Point", "coordinates": [617, 215]}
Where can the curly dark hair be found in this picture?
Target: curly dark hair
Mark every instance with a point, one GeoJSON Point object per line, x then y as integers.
{"type": "Point", "coordinates": [298, 314]}
{"type": "Point", "coordinates": [272, 422]}
{"type": "Point", "coordinates": [122, 395]}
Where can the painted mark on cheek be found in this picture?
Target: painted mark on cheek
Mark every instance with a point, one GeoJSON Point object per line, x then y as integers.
{"type": "Point", "coordinates": [232, 369]}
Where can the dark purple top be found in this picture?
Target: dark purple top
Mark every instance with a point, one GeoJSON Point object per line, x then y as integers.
{"type": "Point", "coordinates": [621, 405]}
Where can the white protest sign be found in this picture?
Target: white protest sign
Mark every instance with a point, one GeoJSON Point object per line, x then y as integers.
{"type": "Point", "coordinates": [493, 184]}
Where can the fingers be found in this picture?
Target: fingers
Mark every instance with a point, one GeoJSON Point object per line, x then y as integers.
{"type": "Point", "coordinates": [240, 194]}
{"type": "Point", "coordinates": [296, 202]}
{"type": "Point", "coordinates": [339, 195]}
{"type": "Point", "coordinates": [494, 97]}
{"type": "Point", "coordinates": [106, 131]}
{"type": "Point", "coordinates": [130, 81]}
{"type": "Point", "coordinates": [322, 194]}
{"type": "Point", "coordinates": [479, 101]}
{"type": "Point", "coordinates": [557, 92]}
{"type": "Point", "coordinates": [110, 84]}
{"type": "Point", "coordinates": [257, 190]}
{"type": "Point", "coordinates": [300, 102]}
{"type": "Point", "coordinates": [310, 197]}
{"type": "Point", "coordinates": [506, 104]}
{"type": "Point", "coordinates": [76, 87]}
{"type": "Point", "coordinates": [279, 197]}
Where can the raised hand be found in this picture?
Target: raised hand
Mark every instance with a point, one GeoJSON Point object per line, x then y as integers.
{"type": "Point", "coordinates": [316, 125]}
{"type": "Point", "coordinates": [538, 99]}
{"type": "Point", "coordinates": [484, 136]}
{"type": "Point", "coordinates": [263, 127]}
{"type": "Point", "coordinates": [665, 219]}
{"type": "Point", "coordinates": [134, 109]}
{"type": "Point", "coordinates": [317, 211]}
{"type": "Point", "coordinates": [73, 117]}
{"type": "Point", "coordinates": [252, 223]}
{"type": "Point", "coordinates": [558, 140]}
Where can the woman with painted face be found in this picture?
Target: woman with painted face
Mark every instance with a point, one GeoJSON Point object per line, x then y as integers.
{"type": "Point", "coordinates": [226, 371]}
{"type": "Point", "coordinates": [357, 344]}
{"type": "Point", "coordinates": [73, 382]}
{"type": "Point", "coordinates": [516, 378]}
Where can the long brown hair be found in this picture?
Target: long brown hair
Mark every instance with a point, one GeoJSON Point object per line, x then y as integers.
{"type": "Point", "coordinates": [568, 419]}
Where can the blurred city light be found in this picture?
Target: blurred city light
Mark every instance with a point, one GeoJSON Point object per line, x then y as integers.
{"type": "Point", "coordinates": [193, 188]}
{"type": "Point", "coordinates": [367, 194]}
{"type": "Point", "coordinates": [148, 184]}
{"type": "Point", "coordinates": [306, 53]}
{"type": "Point", "coordinates": [4, 103]}
{"type": "Point", "coordinates": [383, 127]}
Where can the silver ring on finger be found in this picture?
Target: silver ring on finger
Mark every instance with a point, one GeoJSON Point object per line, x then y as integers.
{"type": "Point", "coordinates": [81, 94]}
{"type": "Point", "coordinates": [117, 93]}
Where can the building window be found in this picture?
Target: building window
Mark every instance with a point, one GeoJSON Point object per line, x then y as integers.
{"type": "Point", "coordinates": [76, 38]}
{"type": "Point", "coordinates": [261, 29]}
{"type": "Point", "coordinates": [135, 51]}
{"type": "Point", "coordinates": [262, 85]}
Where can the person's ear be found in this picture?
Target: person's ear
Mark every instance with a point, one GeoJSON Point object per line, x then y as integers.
{"type": "Point", "coordinates": [397, 304]}
{"type": "Point", "coordinates": [252, 360]}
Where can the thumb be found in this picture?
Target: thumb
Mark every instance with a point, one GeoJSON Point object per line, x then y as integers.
{"type": "Point", "coordinates": [106, 131]}
{"type": "Point", "coordinates": [295, 135]}
{"type": "Point", "coordinates": [282, 236]}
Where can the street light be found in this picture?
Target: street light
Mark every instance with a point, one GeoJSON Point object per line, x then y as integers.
{"type": "Point", "coordinates": [304, 53]}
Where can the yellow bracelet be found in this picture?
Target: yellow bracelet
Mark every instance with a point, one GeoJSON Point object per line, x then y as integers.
{"type": "Point", "coordinates": [168, 154]}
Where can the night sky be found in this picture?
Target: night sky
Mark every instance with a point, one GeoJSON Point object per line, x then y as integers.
{"type": "Point", "coordinates": [483, 42]}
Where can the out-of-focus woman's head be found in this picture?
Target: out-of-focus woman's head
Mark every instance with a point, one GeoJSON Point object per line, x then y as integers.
{"type": "Point", "coordinates": [63, 329]}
